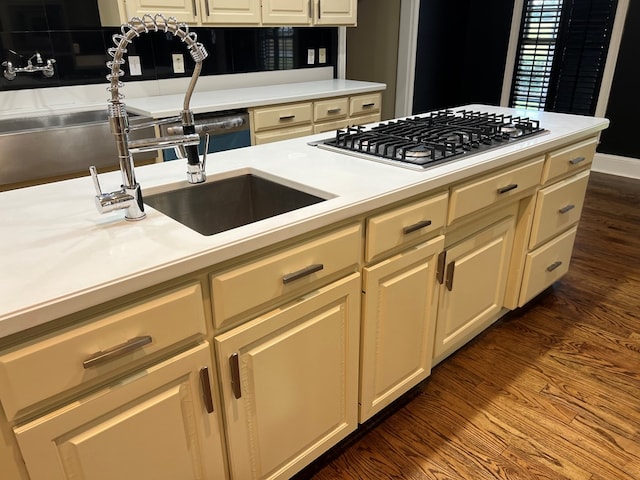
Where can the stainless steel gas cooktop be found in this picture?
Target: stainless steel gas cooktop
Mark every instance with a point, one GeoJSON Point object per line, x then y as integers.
{"type": "Point", "coordinates": [425, 141]}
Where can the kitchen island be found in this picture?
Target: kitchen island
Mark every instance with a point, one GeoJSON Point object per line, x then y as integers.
{"type": "Point", "coordinates": [70, 274]}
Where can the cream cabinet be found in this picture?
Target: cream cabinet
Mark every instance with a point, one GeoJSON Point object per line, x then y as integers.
{"type": "Point", "coordinates": [399, 300]}
{"type": "Point", "coordinates": [281, 122]}
{"type": "Point", "coordinates": [290, 381]}
{"type": "Point", "coordinates": [230, 12]}
{"type": "Point", "coordinates": [234, 12]}
{"type": "Point", "coordinates": [557, 210]}
{"type": "Point", "coordinates": [309, 12]}
{"type": "Point", "coordinates": [125, 390]}
{"type": "Point", "coordinates": [116, 12]}
{"type": "Point", "coordinates": [151, 425]}
{"type": "Point", "coordinates": [473, 273]}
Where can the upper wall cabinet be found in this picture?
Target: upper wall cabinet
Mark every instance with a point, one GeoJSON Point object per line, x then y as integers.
{"type": "Point", "coordinates": [234, 12]}
{"type": "Point", "coordinates": [230, 12]}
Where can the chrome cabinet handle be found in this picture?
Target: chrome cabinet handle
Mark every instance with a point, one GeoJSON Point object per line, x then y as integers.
{"type": "Point", "coordinates": [416, 226]}
{"type": "Point", "coordinates": [206, 4]}
{"type": "Point", "coordinates": [368, 105]}
{"type": "Point", "coordinates": [567, 208]}
{"type": "Point", "coordinates": [449, 279]}
{"type": "Point", "coordinates": [287, 117]}
{"type": "Point", "coordinates": [290, 277]}
{"type": "Point", "coordinates": [117, 351]}
{"type": "Point", "coordinates": [334, 110]}
{"type": "Point", "coordinates": [553, 266]}
{"type": "Point", "coordinates": [508, 188]}
{"type": "Point", "coordinates": [195, 9]}
{"type": "Point", "coordinates": [575, 161]}
{"type": "Point", "coordinates": [234, 365]}
{"type": "Point", "coordinates": [206, 389]}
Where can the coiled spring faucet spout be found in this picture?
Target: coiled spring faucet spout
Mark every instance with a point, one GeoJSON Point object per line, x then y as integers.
{"type": "Point", "coordinates": [129, 197]}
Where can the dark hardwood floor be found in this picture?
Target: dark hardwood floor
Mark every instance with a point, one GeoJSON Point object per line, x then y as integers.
{"type": "Point", "coordinates": [551, 391]}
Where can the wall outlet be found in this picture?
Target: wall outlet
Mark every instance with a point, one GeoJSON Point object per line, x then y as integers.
{"type": "Point", "coordinates": [135, 68]}
{"type": "Point", "coordinates": [322, 55]}
{"type": "Point", "coordinates": [311, 56]}
{"type": "Point", "coordinates": [178, 62]}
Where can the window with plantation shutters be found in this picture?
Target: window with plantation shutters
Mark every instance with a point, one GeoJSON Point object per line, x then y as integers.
{"type": "Point", "coordinates": [536, 49]}
{"type": "Point", "coordinates": [561, 54]}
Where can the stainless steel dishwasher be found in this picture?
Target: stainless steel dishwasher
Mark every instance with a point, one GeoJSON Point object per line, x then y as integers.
{"type": "Point", "coordinates": [227, 130]}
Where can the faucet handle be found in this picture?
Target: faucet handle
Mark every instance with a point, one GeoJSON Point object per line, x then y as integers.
{"type": "Point", "coordinates": [206, 150]}
{"type": "Point", "coordinates": [96, 183]}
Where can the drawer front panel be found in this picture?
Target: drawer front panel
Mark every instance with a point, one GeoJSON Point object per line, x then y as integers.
{"type": "Point", "coordinates": [365, 104]}
{"type": "Point", "coordinates": [282, 116]}
{"type": "Point", "coordinates": [558, 207]}
{"type": "Point", "coordinates": [330, 126]}
{"type": "Point", "coordinates": [292, 270]}
{"type": "Point", "coordinates": [417, 221]}
{"type": "Point", "coordinates": [569, 159]}
{"type": "Point", "coordinates": [481, 193]}
{"type": "Point", "coordinates": [546, 264]}
{"type": "Point", "coordinates": [330, 109]}
{"type": "Point", "coordinates": [34, 372]}
{"type": "Point", "coordinates": [282, 134]}
{"type": "Point", "coordinates": [365, 119]}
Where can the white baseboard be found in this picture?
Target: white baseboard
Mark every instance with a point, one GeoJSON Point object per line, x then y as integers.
{"type": "Point", "coordinates": [616, 165]}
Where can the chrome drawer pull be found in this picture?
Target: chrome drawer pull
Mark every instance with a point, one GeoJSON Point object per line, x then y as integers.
{"type": "Point", "coordinates": [553, 266]}
{"type": "Point", "coordinates": [117, 351]}
{"type": "Point", "coordinates": [287, 117]}
{"type": "Point", "coordinates": [368, 105]}
{"type": "Point", "coordinates": [567, 208]}
{"type": "Point", "coordinates": [334, 110]}
{"type": "Point", "coordinates": [206, 389]}
{"type": "Point", "coordinates": [206, 4]}
{"type": "Point", "coordinates": [234, 365]}
{"type": "Point", "coordinates": [417, 226]}
{"type": "Point", "coordinates": [290, 277]}
{"type": "Point", "coordinates": [577, 160]}
{"type": "Point", "coordinates": [508, 188]}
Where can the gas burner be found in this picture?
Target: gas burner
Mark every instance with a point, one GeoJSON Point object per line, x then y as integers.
{"type": "Point", "coordinates": [424, 141]}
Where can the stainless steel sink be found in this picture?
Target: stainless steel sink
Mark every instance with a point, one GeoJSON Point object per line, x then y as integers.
{"type": "Point", "coordinates": [214, 207]}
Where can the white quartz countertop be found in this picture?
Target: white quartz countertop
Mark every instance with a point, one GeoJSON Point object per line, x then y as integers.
{"type": "Point", "coordinates": [161, 106]}
{"type": "Point", "coordinates": [58, 255]}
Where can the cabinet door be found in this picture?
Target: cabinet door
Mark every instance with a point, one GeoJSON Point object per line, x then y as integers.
{"type": "Point", "coordinates": [153, 425]}
{"type": "Point", "coordinates": [229, 12]}
{"type": "Point", "coordinates": [399, 309]}
{"type": "Point", "coordinates": [287, 12]}
{"type": "Point", "coordinates": [182, 10]}
{"type": "Point", "coordinates": [474, 283]}
{"type": "Point", "coordinates": [336, 12]}
{"type": "Point", "coordinates": [290, 382]}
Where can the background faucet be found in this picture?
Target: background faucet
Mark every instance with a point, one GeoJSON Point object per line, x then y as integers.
{"type": "Point", "coordinates": [11, 71]}
{"type": "Point", "coordinates": [129, 197]}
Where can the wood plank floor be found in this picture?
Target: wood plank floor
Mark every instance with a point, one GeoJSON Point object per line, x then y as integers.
{"type": "Point", "coordinates": [551, 391]}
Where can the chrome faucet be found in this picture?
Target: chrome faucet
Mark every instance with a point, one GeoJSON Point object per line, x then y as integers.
{"type": "Point", "coordinates": [129, 197]}
{"type": "Point", "coordinates": [47, 69]}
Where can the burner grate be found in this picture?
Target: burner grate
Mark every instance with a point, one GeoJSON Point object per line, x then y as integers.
{"type": "Point", "coordinates": [441, 136]}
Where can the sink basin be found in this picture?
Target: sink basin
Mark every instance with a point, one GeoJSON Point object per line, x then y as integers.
{"type": "Point", "coordinates": [214, 207]}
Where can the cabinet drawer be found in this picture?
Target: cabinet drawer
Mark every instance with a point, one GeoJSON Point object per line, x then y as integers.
{"type": "Point", "coordinates": [546, 265]}
{"type": "Point", "coordinates": [365, 104]}
{"type": "Point", "coordinates": [330, 109]}
{"type": "Point", "coordinates": [330, 126]}
{"type": "Point", "coordinates": [558, 207]}
{"type": "Point", "coordinates": [569, 159]}
{"type": "Point", "coordinates": [290, 271]}
{"type": "Point", "coordinates": [282, 116]}
{"type": "Point", "coordinates": [282, 134]}
{"type": "Point", "coordinates": [365, 119]}
{"type": "Point", "coordinates": [64, 360]}
{"type": "Point", "coordinates": [476, 194]}
{"type": "Point", "coordinates": [417, 221]}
